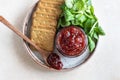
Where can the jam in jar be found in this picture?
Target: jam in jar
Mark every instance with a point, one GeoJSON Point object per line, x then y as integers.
{"type": "Point", "coordinates": [71, 41]}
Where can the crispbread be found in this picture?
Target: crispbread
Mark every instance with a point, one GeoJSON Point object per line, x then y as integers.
{"type": "Point", "coordinates": [43, 42]}
{"type": "Point", "coordinates": [44, 23]}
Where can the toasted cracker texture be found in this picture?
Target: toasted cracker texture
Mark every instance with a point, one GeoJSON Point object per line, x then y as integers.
{"type": "Point", "coordinates": [44, 23]}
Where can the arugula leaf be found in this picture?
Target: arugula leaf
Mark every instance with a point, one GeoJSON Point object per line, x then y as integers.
{"type": "Point", "coordinates": [81, 13]}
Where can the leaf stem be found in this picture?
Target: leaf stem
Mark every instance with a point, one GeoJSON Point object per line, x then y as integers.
{"type": "Point", "coordinates": [93, 26]}
{"type": "Point", "coordinates": [87, 15]}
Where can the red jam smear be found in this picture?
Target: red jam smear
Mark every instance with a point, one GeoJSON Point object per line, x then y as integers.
{"type": "Point", "coordinates": [71, 41]}
{"type": "Point", "coordinates": [54, 61]}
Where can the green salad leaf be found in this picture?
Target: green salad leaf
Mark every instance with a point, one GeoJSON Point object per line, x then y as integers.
{"type": "Point", "coordinates": [91, 43]}
{"type": "Point", "coordinates": [81, 13]}
{"type": "Point", "coordinates": [69, 3]}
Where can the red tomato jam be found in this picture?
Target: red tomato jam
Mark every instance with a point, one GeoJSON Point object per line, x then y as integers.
{"type": "Point", "coordinates": [54, 61]}
{"type": "Point", "coordinates": [71, 41]}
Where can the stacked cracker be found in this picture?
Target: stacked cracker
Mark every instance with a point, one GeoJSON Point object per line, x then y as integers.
{"type": "Point", "coordinates": [44, 23]}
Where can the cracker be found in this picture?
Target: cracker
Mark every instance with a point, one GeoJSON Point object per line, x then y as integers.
{"type": "Point", "coordinates": [44, 23]}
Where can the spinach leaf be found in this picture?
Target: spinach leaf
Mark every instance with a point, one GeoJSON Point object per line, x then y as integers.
{"type": "Point", "coordinates": [99, 30]}
{"type": "Point", "coordinates": [91, 43]}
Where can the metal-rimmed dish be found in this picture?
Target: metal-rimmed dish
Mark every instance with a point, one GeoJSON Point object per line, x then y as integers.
{"type": "Point", "coordinates": [69, 63]}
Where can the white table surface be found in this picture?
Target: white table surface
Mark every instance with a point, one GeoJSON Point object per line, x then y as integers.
{"type": "Point", "coordinates": [16, 64]}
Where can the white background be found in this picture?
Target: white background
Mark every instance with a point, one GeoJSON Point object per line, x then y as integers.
{"type": "Point", "coordinates": [16, 64]}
